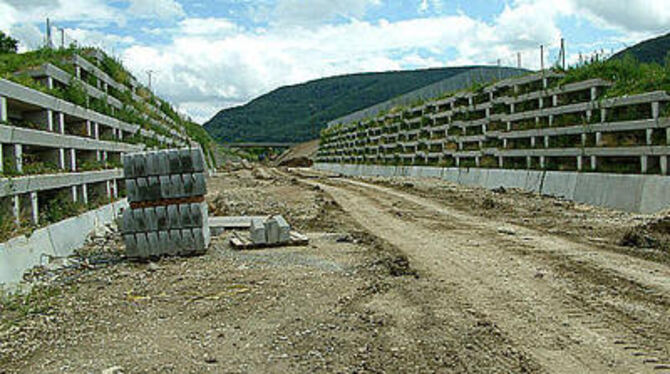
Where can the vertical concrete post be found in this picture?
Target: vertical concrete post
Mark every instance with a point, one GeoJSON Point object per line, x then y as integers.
{"type": "Point", "coordinates": [580, 163]}
{"type": "Point", "coordinates": [74, 193]}
{"type": "Point", "coordinates": [511, 108]}
{"type": "Point", "coordinates": [34, 208]}
{"type": "Point", "coordinates": [2, 169]}
{"type": "Point", "coordinates": [509, 126]}
{"type": "Point", "coordinates": [644, 164]}
{"type": "Point", "coordinates": [73, 159]}
{"type": "Point", "coordinates": [61, 159]}
{"type": "Point", "coordinates": [60, 123]}
{"type": "Point", "coordinates": [89, 129]}
{"type": "Point", "coordinates": [667, 136]}
{"type": "Point", "coordinates": [554, 100]}
{"type": "Point", "coordinates": [594, 164]}
{"type": "Point", "coordinates": [115, 189]}
{"type": "Point", "coordinates": [18, 157]}
{"type": "Point", "coordinates": [50, 83]}
{"type": "Point", "coordinates": [599, 139]}
{"type": "Point", "coordinates": [108, 189]}
{"type": "Point", "coordinates": [532, 142]}
{"type": "Point", "coordinates": [458, 161]}
{"type": "Point", "coordinates": [98, 156]}
{"type": "Point", "coordinates": [594, 93]}
{"type": "Point", "coordinates": [603, 115]}
{"type": "Point", "coordinates": [77, 71]}
{"type": "Point", "coordinates": [541, 102]}
{"type": "Point", "coordinates": [84, 193]}
{"type": "Point", "coordinates": [505, 143]}
{"type": "Point", "coordinates": [16, 209]}
{"type": "Point", "coordinates": [50, 120]}
{"type": "Point", "coordinates": [664, 165]}
{"type": "Point", "coordinates": [501, 162]}
{"type": "Point", "coordinates": [546, 141]}
{"type": "Point", "coordinates": [542, 162]}
{"type": "Point", "coordinates": [655, 110]}
{"type": "Point", "coordinates": [649, 137]}
{"type": "Point", "coordinates": [583, 136]}
{"type": "Point", "coordinates": [528, 162]}
{"type": "Point", "coordinates": [551, 120]}
{"type": "Point", "coordinates": [96, 130]}
{"type": "Point", "coordinates": [3, 109]}
{"type": "Point", "coordinates": [477, 161]}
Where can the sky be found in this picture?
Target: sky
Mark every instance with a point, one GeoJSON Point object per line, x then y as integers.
{"type": "Point", "coordinates": [207, 55]}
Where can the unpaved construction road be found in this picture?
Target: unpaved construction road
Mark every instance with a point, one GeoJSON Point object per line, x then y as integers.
{"type": "Point", "coordinates": [401, 276]}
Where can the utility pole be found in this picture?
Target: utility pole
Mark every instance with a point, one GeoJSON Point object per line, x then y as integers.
{"type": "Point", "coordinates": [542, 57]}
{"type": "Point", "coordinates": [518, 59]}
{"type": "Point", "coordinates": [48, 34]}
{"type": "Point", "coordinates": [563, 52]}
{"type": "Point", "coordinates": [149, 74]}
{"type": "Point", "coordinates": [499, 72]}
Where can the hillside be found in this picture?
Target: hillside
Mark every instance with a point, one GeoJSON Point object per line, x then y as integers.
{"type": "Point", "coordinates": [652, 50]}
{"type": "Point", "coordinates": [297, 113]}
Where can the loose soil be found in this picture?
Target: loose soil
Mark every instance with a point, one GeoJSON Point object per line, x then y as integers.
{"type": "Point", "coordinates": [401, 276]}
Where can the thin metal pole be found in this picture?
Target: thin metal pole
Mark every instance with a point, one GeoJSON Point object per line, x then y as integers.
{"type": "Point", "coordinates": [542, 57]}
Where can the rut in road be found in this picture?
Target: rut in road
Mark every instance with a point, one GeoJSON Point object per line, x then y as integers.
{"type": "Point", "coordinates": [574, 308]}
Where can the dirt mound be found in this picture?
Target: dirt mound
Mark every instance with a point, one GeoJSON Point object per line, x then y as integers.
{"type": "Point", "coordinates": [298, 162]}
{"type": "Point", "coordinates": [655, 234]}
{"type": "Point", "coordinates": [301, 155]}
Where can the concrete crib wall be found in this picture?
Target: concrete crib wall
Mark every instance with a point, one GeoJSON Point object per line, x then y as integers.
{"type": "Point", "coordinates": [59, 239]}
{"type": "Point", "coordinates": [630, 193]}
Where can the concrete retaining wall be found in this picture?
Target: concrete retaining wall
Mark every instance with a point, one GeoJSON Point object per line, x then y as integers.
{"type": "Point", "coordinates": [630, 193]}
{"type": "Point", "coordinates": [60, 239]}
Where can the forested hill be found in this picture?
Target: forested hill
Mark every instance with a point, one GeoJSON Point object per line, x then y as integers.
{"type": "Point", "coordinates": [297, 113]}
{"type": "Point", "coordinates": [652, 50]}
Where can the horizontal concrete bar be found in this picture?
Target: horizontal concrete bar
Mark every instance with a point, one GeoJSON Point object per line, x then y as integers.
{"type": "Point", "coordinates": [19, 135]}
{"type": "Point", "coordinates": [27, 95]}
{"type": "Point", "coordinates": [26, 184]}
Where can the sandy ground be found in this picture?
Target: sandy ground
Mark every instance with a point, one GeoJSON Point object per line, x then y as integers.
{"type": "Point", "coordinates": [401, 276]}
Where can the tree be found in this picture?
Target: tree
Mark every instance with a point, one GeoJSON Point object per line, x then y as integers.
{"type": "Point", "coordinates": [8, 44]}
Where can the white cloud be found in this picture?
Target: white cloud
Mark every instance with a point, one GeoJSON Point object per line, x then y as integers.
{"type": "Point", "coordinates": [160, 9]}
{"type": "Point", "coordinates": [315, 12]}
{"type": "Point", "coordinates": [629, 15]}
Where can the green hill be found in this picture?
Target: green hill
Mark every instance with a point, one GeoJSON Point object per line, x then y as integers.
{"type": "Point", "coordinates": [652, 50]}
{"type": "Point", "coordinates": [298, 113]}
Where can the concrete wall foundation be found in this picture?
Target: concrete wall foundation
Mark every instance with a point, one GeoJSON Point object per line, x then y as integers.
{"type": "Point", "coordinates": [60, 239]}
{"type": "Point", "coordinates": [630, 193]}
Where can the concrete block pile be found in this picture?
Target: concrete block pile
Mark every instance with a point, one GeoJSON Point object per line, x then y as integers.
{"type": "Point", "coordinates": [271, 231]}
{"type": "Point", "coordinates": [168, 215]}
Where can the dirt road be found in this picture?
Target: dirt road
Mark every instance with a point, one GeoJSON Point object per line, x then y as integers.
{"type": "Point", "coordinates": [572, 307]}
{"type": "Point", "coordinates": [401, 276]}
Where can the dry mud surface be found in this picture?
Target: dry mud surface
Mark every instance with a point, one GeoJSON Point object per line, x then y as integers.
{"type": "Point", "coordinates": [401, 276]}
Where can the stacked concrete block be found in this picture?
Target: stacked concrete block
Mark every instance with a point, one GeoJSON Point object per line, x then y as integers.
{"type": "Point", "coordinates": [167, 215]}
{"type": "Point", "coordinates": [271, 231]}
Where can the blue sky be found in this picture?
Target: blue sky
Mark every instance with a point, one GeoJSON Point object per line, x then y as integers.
{"type": "Point", "coordinates": [212, 54]}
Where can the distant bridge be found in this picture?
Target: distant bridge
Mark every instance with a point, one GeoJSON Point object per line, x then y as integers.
{"type": "Point", "coordinates": [260, 145]}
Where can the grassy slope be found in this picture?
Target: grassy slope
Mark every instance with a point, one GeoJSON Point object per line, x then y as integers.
{"type": "Point", "coordinates": [652, 50]}
{"type": "Point", "coordinates": [297, 113]}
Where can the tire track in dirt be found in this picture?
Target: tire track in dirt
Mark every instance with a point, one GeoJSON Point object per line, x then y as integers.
{"type": "Point", "coordinates": [565, 330]}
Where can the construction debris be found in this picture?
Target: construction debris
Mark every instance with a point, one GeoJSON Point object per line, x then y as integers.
{"type": "Point", "coordinates": [268, 232]}
{"type": "Point", "coordinates": [167, 215]}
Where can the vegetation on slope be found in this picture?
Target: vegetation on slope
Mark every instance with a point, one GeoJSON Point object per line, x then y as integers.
{"type": "Point", "coordinates": [628, 75]}
{"type": "Point", "coordinates": [652, 50]}
{"type": "Point", "coordinates": [12, 65]}
{"type": "Point", "coordinates": [297, 113]}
